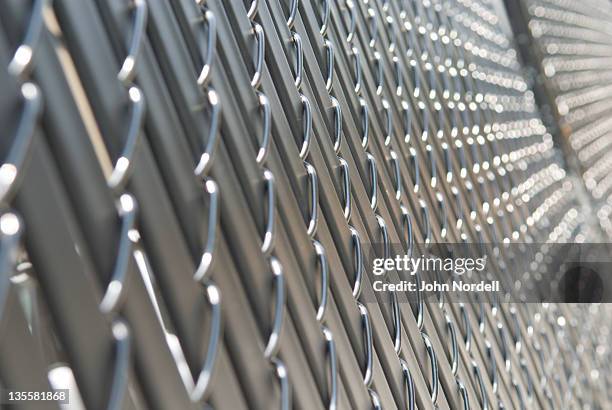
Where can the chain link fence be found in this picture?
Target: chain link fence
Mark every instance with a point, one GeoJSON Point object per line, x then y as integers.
{"type": "Point", "coordinates": [194, 194]}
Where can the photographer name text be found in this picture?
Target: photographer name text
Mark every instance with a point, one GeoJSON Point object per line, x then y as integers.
{"type": "Point", "coordinates": [435, 286]}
